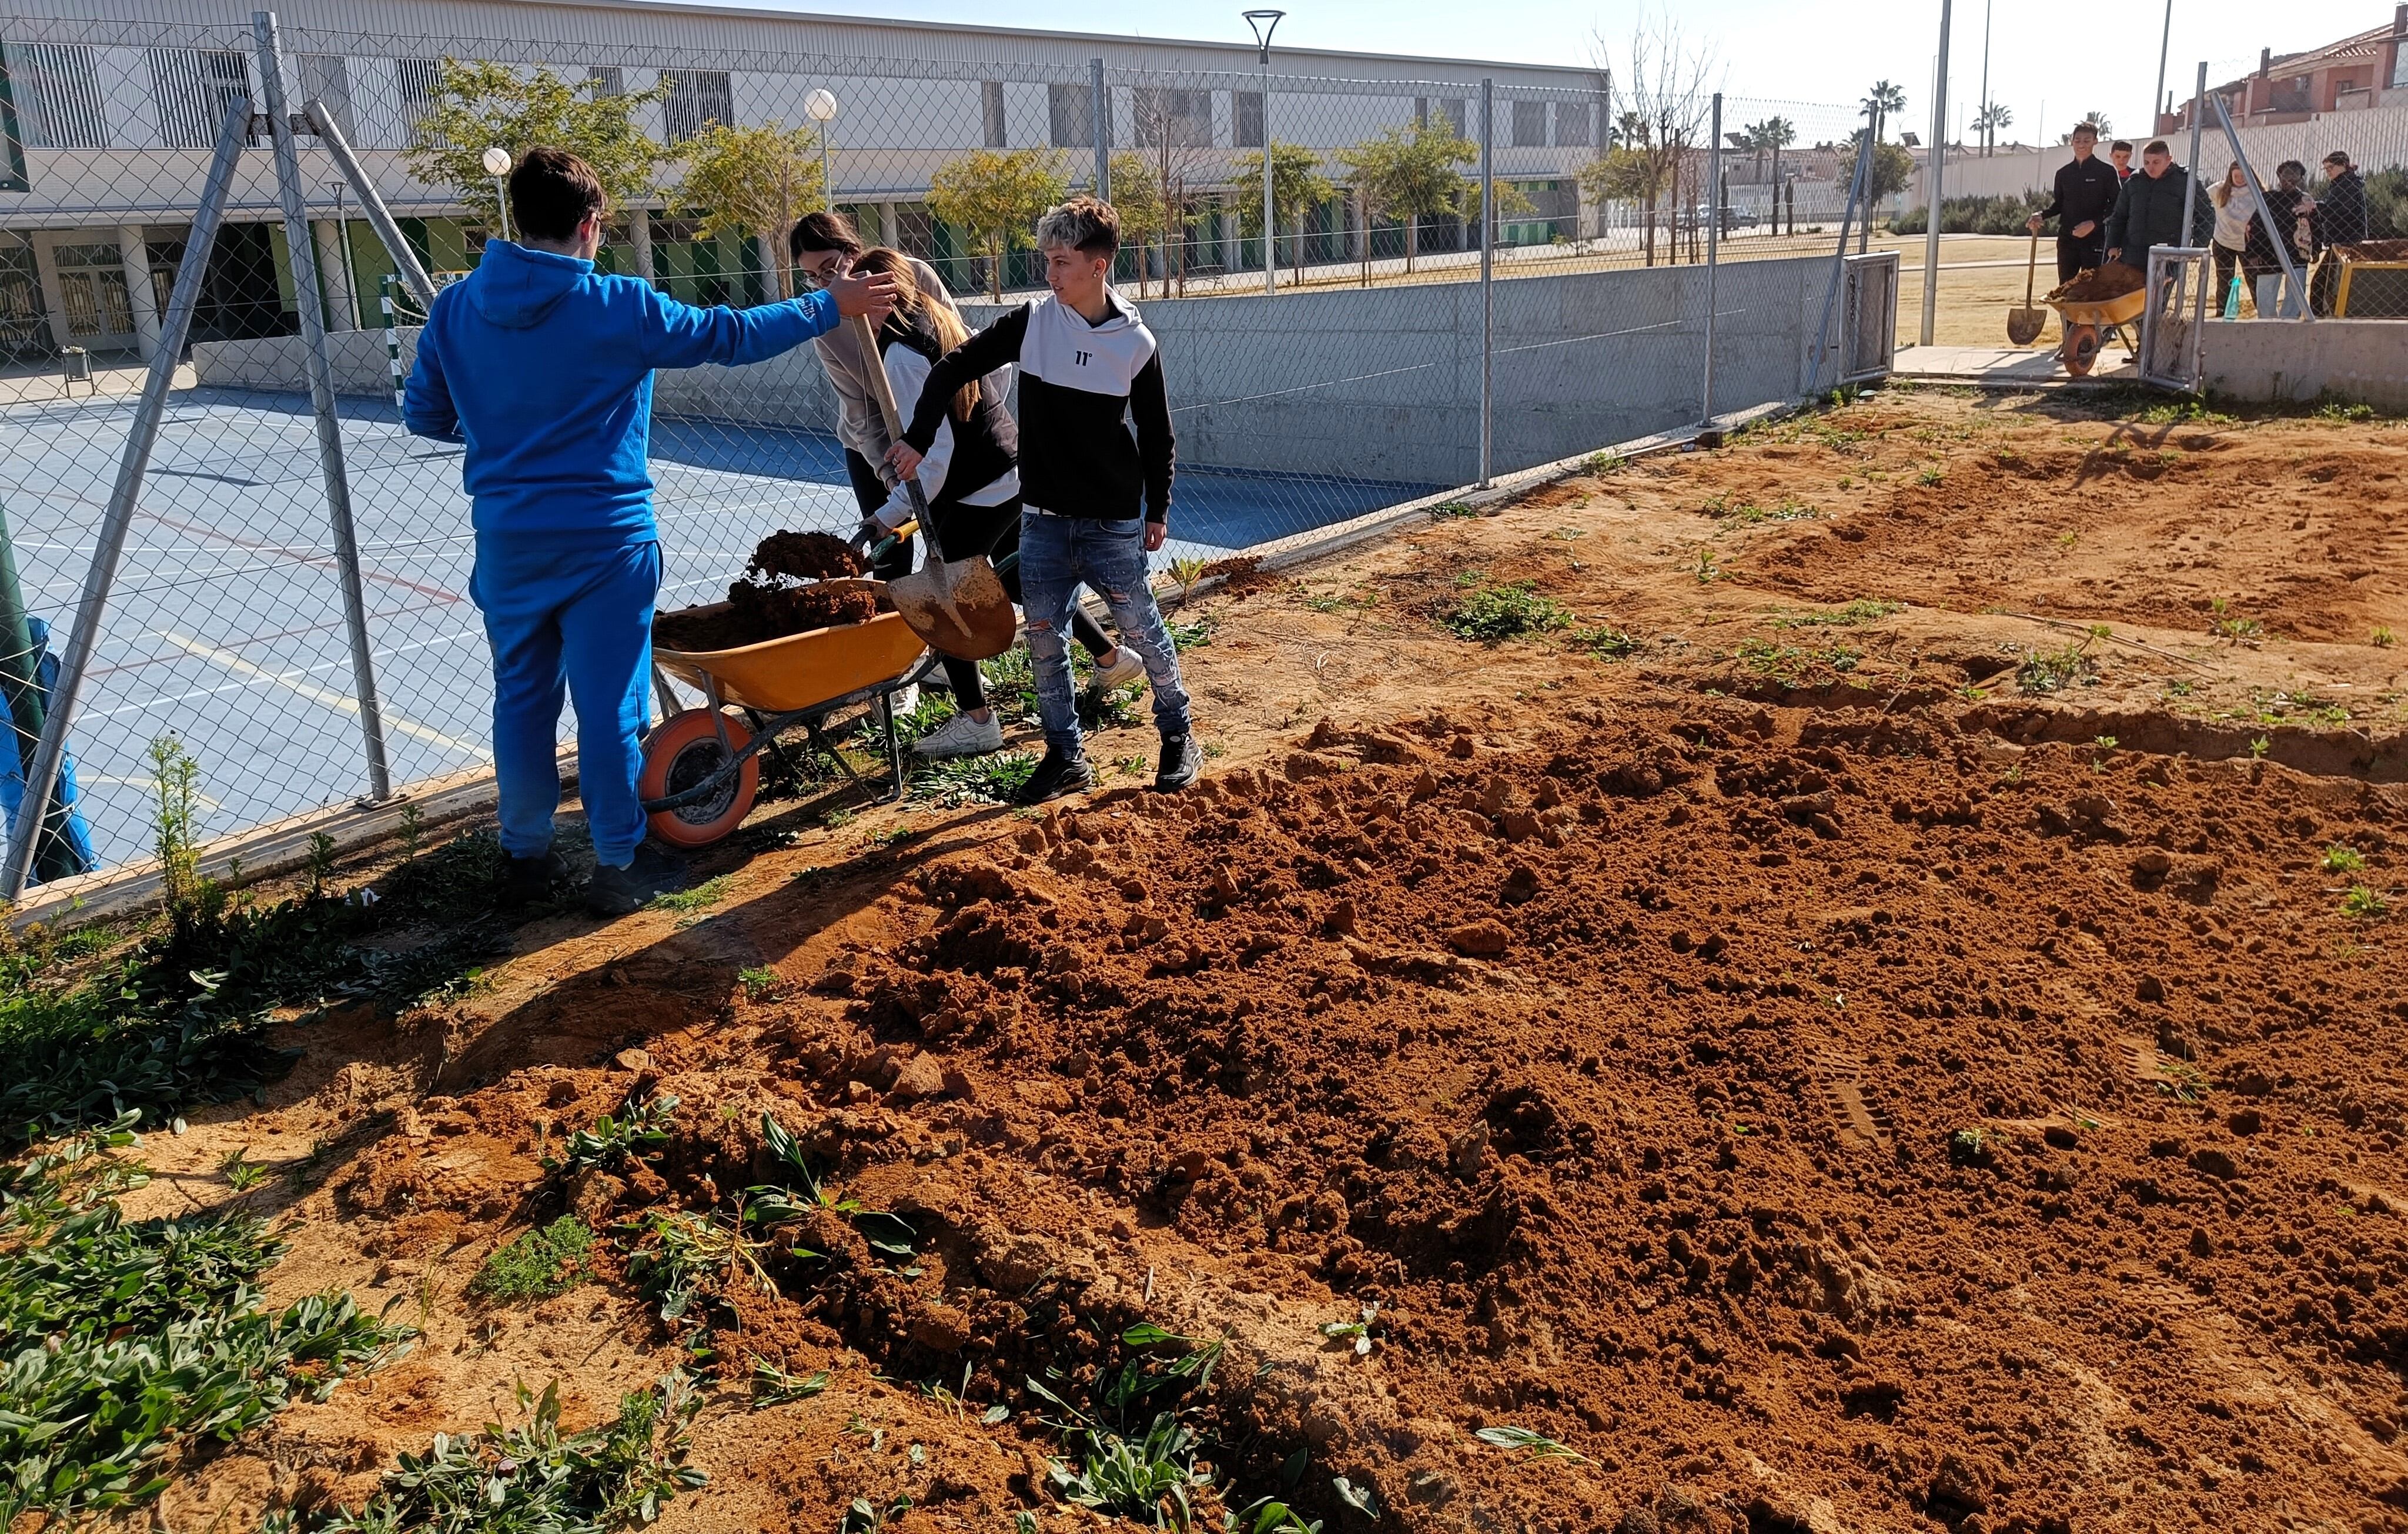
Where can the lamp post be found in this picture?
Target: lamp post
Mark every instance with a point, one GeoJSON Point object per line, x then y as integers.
{"type": "Point", "coordinates": [342, 192]}
{"type": "Point", "coordinates": [820, 107]}
{"type": "Point", "coordinates": [498, 165]}
{"type": "Point", "coordinates": [1265, 22]}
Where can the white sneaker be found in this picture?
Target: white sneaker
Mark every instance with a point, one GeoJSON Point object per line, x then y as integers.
{"type": "Point", "coordinates": [1127, 668]}
{"type": "Point", "coordinates": [906, 700]}
{"type": "Point", "coordinates": [964, 735]}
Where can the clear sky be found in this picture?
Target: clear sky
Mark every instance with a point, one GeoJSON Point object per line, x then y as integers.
{"type": "Point", "coordinates": [1814, 50]}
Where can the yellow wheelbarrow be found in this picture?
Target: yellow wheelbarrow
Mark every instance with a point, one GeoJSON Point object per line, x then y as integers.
{"type": "Point", "coordinates": [702, 767]}
{"type": "Point", "coordinates": [2089, 327]}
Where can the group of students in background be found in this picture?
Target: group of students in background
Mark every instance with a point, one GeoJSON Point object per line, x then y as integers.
{"type": "Point", "coordinates": [2112, 212]}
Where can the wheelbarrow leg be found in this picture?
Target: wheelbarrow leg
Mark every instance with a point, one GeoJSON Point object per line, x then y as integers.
{"type": "Point", "coordinates": [662, 691]}
{"type": "Point", "coordinates": [894, 749]}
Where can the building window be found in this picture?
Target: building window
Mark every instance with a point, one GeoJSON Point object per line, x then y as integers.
{"type": "Point", "coordinates": [58, 86]}
{"type": "Point", "coordinates": [1070, 111]}
{"type": "Point", "coordinates": [1179, 119]}
{"type": "Point", "coordinates": [420, 82]}
{"type": "Point", "coordinates": [1574, 123]}
{"type": "Point", "coordinates": [698, 97]}
{"type": "Point", "coordinates": [1529, 124]}
{"type": "Point", "coordinates": [325, 79]}
{"type": "Point", "coordinates": [991, 112]}
{"type": "Point", "coordinates": [1447, 113]}
{"type": "Point", "coordinates": [915, 231]}
{"type": "Point", "coordinates": [193, 87]}
{"type": "Point", "coordinates": [607, 79]}
{"type": "Point", "coordinates": [1247, 107]}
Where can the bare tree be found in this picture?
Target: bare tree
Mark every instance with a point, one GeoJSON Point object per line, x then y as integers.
{"type": "Point", "coordinates": [1666, 84]}
{"type": "Point", "coordinates": [1173, 128]}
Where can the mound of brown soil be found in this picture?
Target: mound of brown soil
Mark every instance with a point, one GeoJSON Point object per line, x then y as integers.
{"type": "Point", "coordinates": [807, 557]}
{"type": "Point", "coordinates": [2112, 280]}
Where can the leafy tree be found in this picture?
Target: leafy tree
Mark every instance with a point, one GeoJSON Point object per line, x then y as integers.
{"type": "Point", "coordinates": [755, 181]}
{"type": "Point", "coordinates": [1892, 170]}
{"type": "Point", "coordinates": [478, 106]}
{"type": "Point", "coordinates": [1412, 174]}
{"type": "Point", "coordinates": [1298, 186]}
{"type": "Point", "coordinates": [1137, 197]}
{"type": "Point", "coordinates": [999, 195]}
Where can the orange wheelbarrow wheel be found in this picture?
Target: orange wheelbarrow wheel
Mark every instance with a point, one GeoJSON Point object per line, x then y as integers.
{"type": "Point", "coordinates": [681, 754]}
{"type": "Point", "coordinates": [2081, 349]}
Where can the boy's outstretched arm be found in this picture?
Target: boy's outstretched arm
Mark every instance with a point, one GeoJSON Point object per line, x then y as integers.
{"type": "Point", "coordinates": [679, 335]}
{"type": "Point", "coordinates": [995, 347]}
{"type": "Point", "coordinates": [426, 407]}
{"type": "Point", "coordinates": [1149, 406]}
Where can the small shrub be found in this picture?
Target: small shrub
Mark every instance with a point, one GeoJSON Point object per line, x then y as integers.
{"type": "Point", "coordinates": [2383, 638]}
{"type": "Point", "coordinates": [2343, 859]}
{"type": "Point", "coordinates": [1492, 614]}
{"type": "Point", "coordinates": [2364, 904]}
{"type": "Point", "coordinates": [2053, 670]}
{"type": "Point", "coordinates": [1606, 642]}
{"type": "Point", "coordinates": [538, 1264]}
{"type": "Point", "coordinates": [959, 781]}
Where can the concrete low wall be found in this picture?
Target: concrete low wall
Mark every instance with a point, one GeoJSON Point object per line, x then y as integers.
{"type": "Point", "coordinates": [2284, 361]}
{"type": "Point", "coordinates": [1378, 383]}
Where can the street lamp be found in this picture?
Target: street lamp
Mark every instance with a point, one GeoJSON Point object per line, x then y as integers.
{"type": "Point", "coordinates": [820, 107]}
{"type": "Point", "coordinates": [1265, 22]}
{"type": "Point", "coordinates": [498, 165]}
{"type": "Point", "coordinates": [343, 241]}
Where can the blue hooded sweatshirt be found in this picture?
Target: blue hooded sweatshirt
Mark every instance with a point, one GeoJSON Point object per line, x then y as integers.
{"type": "Point", "coordinates": [543, 366]}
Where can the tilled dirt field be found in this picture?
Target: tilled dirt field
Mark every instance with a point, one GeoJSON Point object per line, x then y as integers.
{"type": "Point", "coordinates": [1857, 1026]}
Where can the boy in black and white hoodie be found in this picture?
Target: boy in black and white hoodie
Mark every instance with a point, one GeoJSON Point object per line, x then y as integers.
{"type": "Point", "coordinates": [1087, 362]}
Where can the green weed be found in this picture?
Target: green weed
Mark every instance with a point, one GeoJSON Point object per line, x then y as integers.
{"type": "Point", "coordinates": [536, 1480]}
{"type": "Point", "coordinates": [774, 1387]}
{"type": "Point", "coordinates": [538, 1264]}
{"type": "Point", "coordinates": [1455, 509]}
{"type": "Point", "coordinates": [959, 781]}
{"type": "Point", "coordinates": [760, 982]}
{"type": "Point", "coordinates": [1536, 1444]}
{"type": "Point", "coordinates": [135, 1339]}
{"type": "Point", "coordinates": [701, 897]}
{"type": "Point", "coordinates": [639, 1129]}
{"type": "Point", "coordinates": [2381, 638]}
{"type": "Point", "coordinates": [1864, 610]}
{"type": "Point", "coordinates": [2341, 859]}
{"type": "Point", "coordinates": [1606, 642]}
{"type": "Point", "coordinates": [1492, 614]}
{"type": "Point", "coordinates": [1748, 513]}
{"type": "Point", "coordinates": [242, 1174]}
{"type": "Point", "coordinates": [1602, 463]}
{"type": "Point", "coordinates": [2055, 670]}
{"type": "Point", "coordinates": [2364, 904]}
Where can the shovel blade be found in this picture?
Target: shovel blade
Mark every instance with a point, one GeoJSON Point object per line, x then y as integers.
{"type": "Point", "coordinates": [958, 607]}
{"type": "Point", "coordinates": [2024, 325]}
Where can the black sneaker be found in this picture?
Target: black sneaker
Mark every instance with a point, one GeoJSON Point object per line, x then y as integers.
{"type": "Point", "coordinates": [1181, 760]}
{"type": "Point", "coordinates": [618, 892]}
{"type": "Point", "coordinates": [1060, 773]}
{"type": "Point", "coordinates": [528, 881]}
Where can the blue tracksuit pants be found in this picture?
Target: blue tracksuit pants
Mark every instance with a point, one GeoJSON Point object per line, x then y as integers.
{"type": "Point", "coordinates": [580, 623]}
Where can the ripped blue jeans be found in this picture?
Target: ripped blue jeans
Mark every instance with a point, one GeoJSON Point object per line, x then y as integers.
{"type": "Point", "coordinates": [1057, 555]}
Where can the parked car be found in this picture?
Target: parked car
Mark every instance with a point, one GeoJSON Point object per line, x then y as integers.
{"type": "Point", "coordinates": [1734, 218]}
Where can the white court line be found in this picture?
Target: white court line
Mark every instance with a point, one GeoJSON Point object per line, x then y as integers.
{"type": "Point", "coordinates": [152, 784]}
{"type": "Point", "coordinates": [319, 695]}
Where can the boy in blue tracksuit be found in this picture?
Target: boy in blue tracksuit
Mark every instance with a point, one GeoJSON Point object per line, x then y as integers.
{"type": "Point", "coordinates": [543, 366]}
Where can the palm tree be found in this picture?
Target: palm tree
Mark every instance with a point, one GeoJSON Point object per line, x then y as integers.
{"type": "Point", "coordinates": [1882, 100]}
{"type": "Point", "coordinates": [2097, 119]}
{"type": "Point", "coordinates": [1988, 121]}
{"type": "Point", "coordinates": [1745, 142]}
{"type": "Point", "coordinates": [1777, 134]}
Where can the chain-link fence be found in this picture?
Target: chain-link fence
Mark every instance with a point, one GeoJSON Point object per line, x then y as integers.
{"type": "Point", "coordinates": [290, 599]}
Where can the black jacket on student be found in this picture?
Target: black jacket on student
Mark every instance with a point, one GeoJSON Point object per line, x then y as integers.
{"type": "Point", "coordinates": [2085, 193]}
{"type": "Point", "coordinates": [2148, 213]}
{"type": "Point", "coordinates": [2341, 212]}
{"type": "Point", "coordinates": [1079, 383]}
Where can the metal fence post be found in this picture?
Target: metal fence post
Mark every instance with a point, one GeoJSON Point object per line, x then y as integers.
{"type": "Point", "coordinates": [1101, 110]}
{"type": "Point", "coordinates": [379, 217]}
{"type": "Point", "coordinates": [391, 343]}
{"type": "Point", "coordinates": [2190, 182]}
{"type": "Point", "coordinates": [1857, 185]}
{"type": "Point", "coordinates": [1713, 257]}
{"type": "Point", "coordinates": [1487, 272]}
{"type": "Point", "coordinates": [1938, 160]}
{"type": "Point", "coordinates": [301, 251]}
{"type": "Point", "coordinates": [109, 542]}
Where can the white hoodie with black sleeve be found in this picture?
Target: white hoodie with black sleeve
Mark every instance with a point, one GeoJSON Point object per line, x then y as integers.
{"type": "Point", "coordinates": [1081, 387]}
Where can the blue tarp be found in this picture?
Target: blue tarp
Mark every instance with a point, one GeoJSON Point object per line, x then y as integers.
{"type": "Point", "coordinates": [12, 770]}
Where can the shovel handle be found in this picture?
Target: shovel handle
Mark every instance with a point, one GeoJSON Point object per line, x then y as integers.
{"type": "Point", "coordinates": [873, 362]}
{"type": "Point", "coordinates": [2031, 265]}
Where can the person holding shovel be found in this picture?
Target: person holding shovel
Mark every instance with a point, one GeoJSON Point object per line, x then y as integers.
{"type": "Point", "coordinates": [2083, 196]}
{"type": "Point", "coordinates": [970, 478]}
{"type": "Point", "coordinates": [1088, 366]}
{"type": "Point", "coordinates": [543, 367]}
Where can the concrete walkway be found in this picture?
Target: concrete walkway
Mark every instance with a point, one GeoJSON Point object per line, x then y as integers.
{"type": "Point", "coordinates": [2005, 367]}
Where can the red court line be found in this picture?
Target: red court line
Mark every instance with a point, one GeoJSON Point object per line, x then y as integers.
{"type": "Point", "coordinates": [320, 561]}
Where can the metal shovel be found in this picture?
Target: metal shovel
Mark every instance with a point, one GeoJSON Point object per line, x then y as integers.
{"type": "Point", "coordinates": [957, 605]}
{"type": "Point", "coordinates": [2024, 324]}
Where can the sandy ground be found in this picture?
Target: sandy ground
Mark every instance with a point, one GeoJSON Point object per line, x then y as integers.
{"type": "Point", "coordinates": [1850, 1029]}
